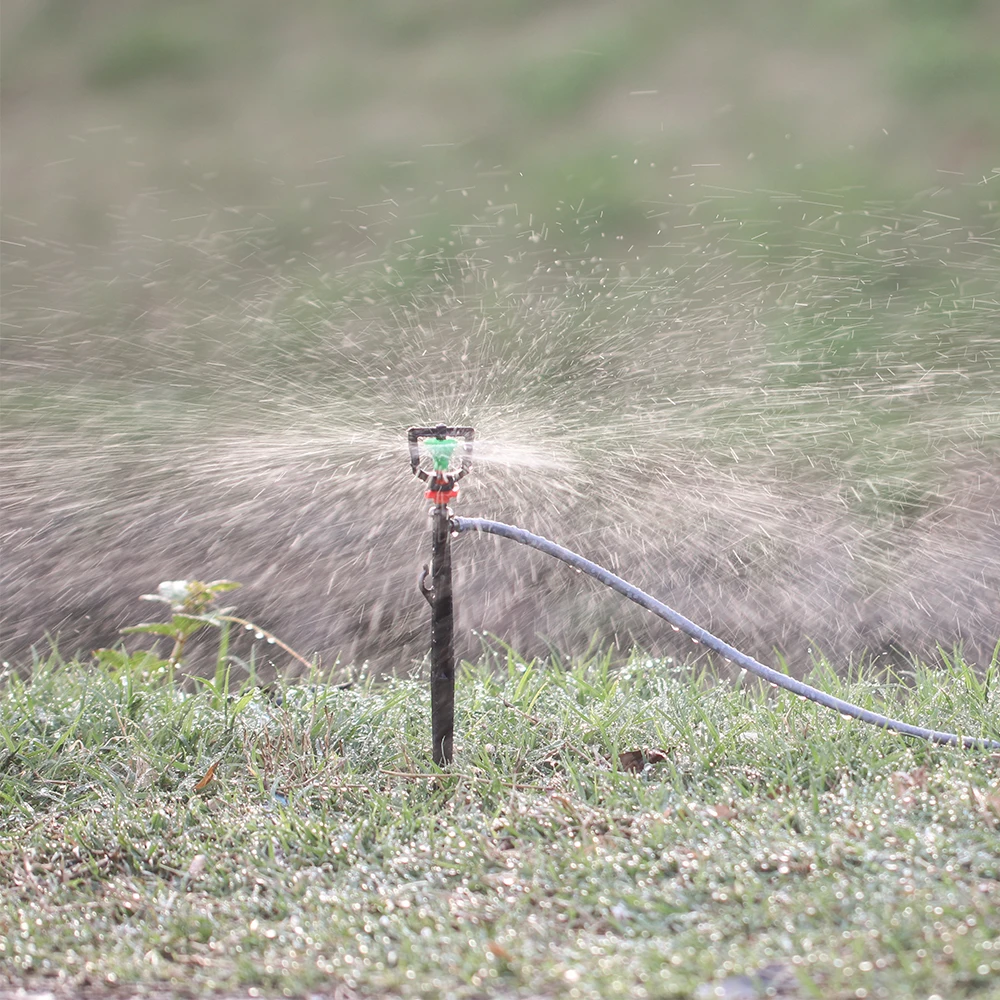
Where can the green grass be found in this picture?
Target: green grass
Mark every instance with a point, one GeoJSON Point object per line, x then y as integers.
{"type": "Point", "coordinates": [146, 50]}
{"type": "Point", "coordinates": [325, 849]}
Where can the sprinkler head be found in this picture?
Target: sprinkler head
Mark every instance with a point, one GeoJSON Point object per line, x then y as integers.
{"type": "Point", "coordinates": [440, 443]}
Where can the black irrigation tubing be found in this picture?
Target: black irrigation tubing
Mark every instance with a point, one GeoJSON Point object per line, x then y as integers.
{"type": "Point", "coordinates": [710, 641]}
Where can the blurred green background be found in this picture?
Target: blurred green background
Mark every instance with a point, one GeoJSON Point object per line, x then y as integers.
{"type": "Point", "coordinates": [336, 124]}
{"type": "Point", "coordinates": [759, 236]}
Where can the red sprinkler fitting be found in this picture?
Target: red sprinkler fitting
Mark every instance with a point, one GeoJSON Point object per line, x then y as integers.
{"type": "Point", "coordinates": [442, 490]}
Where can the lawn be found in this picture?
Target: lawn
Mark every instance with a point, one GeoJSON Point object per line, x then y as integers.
{"type": "Point", "coordinates": [717, 287]}
{"type": "Point", "coordinates": [645, 829]}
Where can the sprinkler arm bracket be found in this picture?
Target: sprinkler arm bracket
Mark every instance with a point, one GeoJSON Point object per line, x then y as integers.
{"type": "Point", "coordinates": [440, 433]}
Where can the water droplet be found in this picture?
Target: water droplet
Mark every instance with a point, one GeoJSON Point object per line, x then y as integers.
{"type": "Point", "coordinates": [258, 635]}
{"type": "Point", "coordinates": [248, 627]}
{"type": "Point", "coordinates": [271, 639]}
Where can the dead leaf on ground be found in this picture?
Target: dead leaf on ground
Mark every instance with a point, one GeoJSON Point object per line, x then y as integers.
{"type": "Point", "coordinates": [722, 810]}
{"type": "Point", "coordinates": [638, 760]}
{"type": "Point", "coordinates": [988, 805]}
{"type": "Point", "coordinates": [906, 783]}
{"type": "Point", "coordinates": [499, 951]}
{"type": "Point", "coordinates": [209, 775]}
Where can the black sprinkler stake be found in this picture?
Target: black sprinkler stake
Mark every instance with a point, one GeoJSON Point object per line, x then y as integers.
{"type": "Point", "coordinates": [442, 639]}
{"type": "Point", "coordinates": [441, 442]}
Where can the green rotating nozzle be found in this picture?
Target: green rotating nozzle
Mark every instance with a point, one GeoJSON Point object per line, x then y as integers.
{"type": "Point", "coordinates": [441, 450]}
{"type": "Point", "coordinates": [440, 443]}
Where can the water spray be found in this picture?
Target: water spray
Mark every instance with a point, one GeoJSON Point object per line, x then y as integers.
{"type": "Point", "coordinates": [441, 443]}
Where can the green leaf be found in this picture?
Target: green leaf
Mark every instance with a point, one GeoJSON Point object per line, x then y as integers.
{"type": "Point", "coordinates": [141, 663]}
{"type": "Point", "coordinates": [151, 628]}
{"type": "Point", "coordinates": [243, 702]}
{"type": "Point", "coordinates": [194, 622]}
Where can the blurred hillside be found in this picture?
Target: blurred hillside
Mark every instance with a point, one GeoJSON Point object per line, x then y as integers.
{"type": "Point", "coordinates": [342, 124]}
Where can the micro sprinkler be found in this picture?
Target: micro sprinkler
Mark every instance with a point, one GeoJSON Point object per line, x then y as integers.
{"type": "Point", "coordinates": [441, 442]}
{"type": "Point", "coordinates": [442, 487]}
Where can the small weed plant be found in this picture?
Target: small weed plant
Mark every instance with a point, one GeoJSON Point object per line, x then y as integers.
{"type": "Point", "coordinates": [192, 609]}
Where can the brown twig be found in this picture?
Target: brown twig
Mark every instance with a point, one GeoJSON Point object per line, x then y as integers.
{"type": "Point", "coordinates": [273, 638]}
